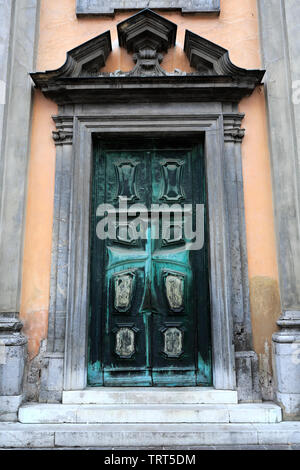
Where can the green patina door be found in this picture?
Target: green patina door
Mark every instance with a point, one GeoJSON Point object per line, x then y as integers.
{"type": "Point", "coordinates": [149, 296]}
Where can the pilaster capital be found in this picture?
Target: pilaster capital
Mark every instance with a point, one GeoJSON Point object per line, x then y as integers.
{"type": "Point", "coordinates": [64, 133]}
{"type": "Point", "coordinates": [232, 128]}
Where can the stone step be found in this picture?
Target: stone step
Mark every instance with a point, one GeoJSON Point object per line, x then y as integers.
{"type": "Point", "coordinates": [153, 436]}
{"type": "Point", "coordinates": [60, 413]}
{"type": "Point", "coordinates": [149, 395]}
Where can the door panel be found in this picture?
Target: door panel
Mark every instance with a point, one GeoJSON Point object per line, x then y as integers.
{"type": "Point", "coordinates": [149, 298]}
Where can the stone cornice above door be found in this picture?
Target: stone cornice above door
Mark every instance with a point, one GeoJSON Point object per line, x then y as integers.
{"type": "Point", "coordinates": [147, 35]}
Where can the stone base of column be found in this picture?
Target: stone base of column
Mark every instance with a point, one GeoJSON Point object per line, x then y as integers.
{"type": "Point", "coordinates": [9, 407]}
{"type": "Point", "coordinates": [286, 360]}
{"type": "Point", "coordinates": [52, 378]}
{"type": "Point", "coordinates": [247, 377]}
{"type": "Point", "coordinates": [12, 362]}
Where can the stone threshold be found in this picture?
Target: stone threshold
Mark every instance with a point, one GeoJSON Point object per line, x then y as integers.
{"type": "Point", "coordinates": [135, 436]}
{"type": "Point", "coordinates": [149, 395]}
{"type": "Point", "coordinates": [37, 413]}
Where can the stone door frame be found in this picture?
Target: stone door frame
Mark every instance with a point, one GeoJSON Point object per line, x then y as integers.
{"type": "Point", "coordinates": [72, 196]}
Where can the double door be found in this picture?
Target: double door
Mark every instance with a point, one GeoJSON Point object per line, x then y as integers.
{"type": "Point", "coordinates": [149, 293]}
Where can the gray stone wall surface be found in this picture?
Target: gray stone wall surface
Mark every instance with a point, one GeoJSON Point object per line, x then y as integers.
{"type": "Point", "coordinates": [280, 38]}
{"type": "Point", "coordinates": [102, 7]}
{"type": "Point", "coordinates": [18, 23]}
{"type": "Point", "coordinates": [17, 55]}
{"type": "Point", "coordinates": [280, 42]}
{"type": "Point", "coordinates": [5, 20]}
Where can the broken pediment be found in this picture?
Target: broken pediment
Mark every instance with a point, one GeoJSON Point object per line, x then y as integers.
{"type": "Point", "coordinates": [82, 61]}
{"type": "Point", "coordinates": [210, 59]}
{"type": "Point", "coordinates": [147, 36]}
{"type": "Point", "coordinates": [147, 29]}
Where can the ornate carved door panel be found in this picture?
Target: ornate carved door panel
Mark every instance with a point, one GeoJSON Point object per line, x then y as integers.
{"type": "Point", "coordinates": [149, 296]}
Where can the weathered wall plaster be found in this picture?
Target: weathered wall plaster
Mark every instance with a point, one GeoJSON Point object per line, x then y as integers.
{"type": "Point", "coordinates": [265, 311]}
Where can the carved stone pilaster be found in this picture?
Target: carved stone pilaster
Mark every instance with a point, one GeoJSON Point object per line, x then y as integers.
{"type": "Point", "coordinates": [246, 359]}
{"type": "Point", "coordinates": [52, 370]}
{"type": "Point", "coordinates": [12, 363]}
{"type": "Point", "coordinates": [286, 357]}
{"type": "Point", "coordinates": [147, 63]}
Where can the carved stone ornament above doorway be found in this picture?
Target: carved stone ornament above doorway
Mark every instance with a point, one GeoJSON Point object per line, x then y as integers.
{"type": "Point", "coordinates": [104, 7]}
{"type": "Point", "coordinates": [147, 35]}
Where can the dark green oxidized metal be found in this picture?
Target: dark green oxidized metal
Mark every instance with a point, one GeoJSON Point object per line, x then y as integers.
{"type": "Point", "coordinates": [149, 298]}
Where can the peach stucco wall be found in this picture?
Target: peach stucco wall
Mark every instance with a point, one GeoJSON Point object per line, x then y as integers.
{"type": "Point", "coordinates": [236, 29]}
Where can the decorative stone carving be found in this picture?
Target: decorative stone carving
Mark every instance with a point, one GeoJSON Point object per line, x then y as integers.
{"type": "Point", "coordinates": [234, 134]}
{"type": "Point", "coordinates": [147, 27]}
{"type": "Point", "coordinates": [123, 288]}
{"type": "Point", "coordinates": [104, 7]}
{"type": "Point", "coordinates": [174, 285]}
{"type": "Point", "coordinates": [62, 137]}
{"type": "Point", "coordinates": [12, 363]}
{"type": "Point", "coordinates": [232, 128]}
{"type": "Point", "coordinates": [173, 342]}
{"type": "Point", "coordinates": [125, 342]}
{"type": "Point", "coordinates": [147, 63]}
{"type": "Point", "coordinates": [147, 35]}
